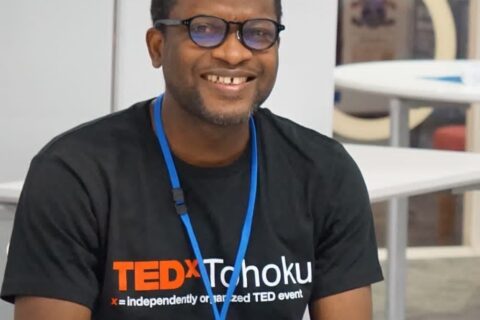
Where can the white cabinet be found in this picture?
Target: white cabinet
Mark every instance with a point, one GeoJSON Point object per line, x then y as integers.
{"type": "Point", "coordinates": [6, 223]}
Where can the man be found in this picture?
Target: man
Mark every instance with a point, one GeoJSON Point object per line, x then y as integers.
{"type": "Point", "coordinates": [197, 204]}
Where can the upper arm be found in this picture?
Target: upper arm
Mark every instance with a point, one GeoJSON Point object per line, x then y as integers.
{"type": "Point", "coordinates": [54, 247]}
{"type": "Point", "coordinates": [36, 308]}
{"type": "Point", "coordinates": [345, 249]}
{"type": "Point", "coordinates": [349, 305]}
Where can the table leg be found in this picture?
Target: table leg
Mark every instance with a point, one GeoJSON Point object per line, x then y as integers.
{"type": "Point", "coordinates": [399, 130]}
{"type": "Point", "coordinates": [397, 220]}
{"type": "Point", "coordinates": [397, 262]}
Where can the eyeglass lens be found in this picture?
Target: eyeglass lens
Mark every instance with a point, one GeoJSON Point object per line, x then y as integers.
{"type": "Point", "coordinates": [208, 32]}
{"type": "Point", "coordinates": [259, 34]}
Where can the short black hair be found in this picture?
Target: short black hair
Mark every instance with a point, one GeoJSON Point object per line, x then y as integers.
{"type": "Point", "coordinates": [160, 9]}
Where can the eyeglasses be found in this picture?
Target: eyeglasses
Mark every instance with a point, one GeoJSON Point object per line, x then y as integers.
{"type": "Point", "coordinates": [211, 32]}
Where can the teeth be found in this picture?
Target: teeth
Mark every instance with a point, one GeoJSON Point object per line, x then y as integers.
{"type": "Point", "coordinates": [226, 80]}
{"type": "Point", "coordinates": [237, 80]}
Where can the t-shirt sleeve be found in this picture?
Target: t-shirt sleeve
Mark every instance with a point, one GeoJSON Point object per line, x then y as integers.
{"type": "Point", "coordinates": [54, 244]}
{"type": "Point", "coordinates": [346, 255]}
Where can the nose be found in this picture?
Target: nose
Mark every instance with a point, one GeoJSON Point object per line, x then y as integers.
{"type": "Point", "coordinates": [232, 51]}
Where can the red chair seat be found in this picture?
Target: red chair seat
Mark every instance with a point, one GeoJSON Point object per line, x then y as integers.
{"type": "Point", "coordinates": [450, 137]}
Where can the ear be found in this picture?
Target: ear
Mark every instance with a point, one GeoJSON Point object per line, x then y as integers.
{"type": "Point", "coordinates": [155, 40]}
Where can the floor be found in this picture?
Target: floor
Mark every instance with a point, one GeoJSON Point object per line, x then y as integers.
{"type": "Point", "coordinates": [438, 290]}
{"type": "Point", "coordinates": [441, 288]}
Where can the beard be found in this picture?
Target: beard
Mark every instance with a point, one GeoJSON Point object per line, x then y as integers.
{"type": "Point", "coordinates": [192, 102]}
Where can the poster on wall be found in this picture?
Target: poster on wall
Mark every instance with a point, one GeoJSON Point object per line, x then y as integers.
{"type": "Point", "coordinates": [375, 30]}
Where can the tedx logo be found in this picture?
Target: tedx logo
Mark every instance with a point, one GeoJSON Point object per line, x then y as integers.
{"type": "Point", "coordinates": [154, 275]}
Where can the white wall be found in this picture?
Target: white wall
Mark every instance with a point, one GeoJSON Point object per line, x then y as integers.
{"type": "Point", "coordinates": [304, 90]}
{"type": "Point", "coordinates": [55, 72]}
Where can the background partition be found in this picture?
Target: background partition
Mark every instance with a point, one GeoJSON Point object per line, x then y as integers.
{"type": "Point", "coordinates": [55, 73]}
{"type": "Point", "coordinates": [472, 201]}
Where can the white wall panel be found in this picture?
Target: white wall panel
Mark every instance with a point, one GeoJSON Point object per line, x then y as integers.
{"type": "Point", "coordinates": [55, 72]}
{"type": "Point", "coordinates": [304, 90]}
{"type": "Point", "coordinates": [305, 87]}
{"type": "Point", "coordinates": [135, 78]}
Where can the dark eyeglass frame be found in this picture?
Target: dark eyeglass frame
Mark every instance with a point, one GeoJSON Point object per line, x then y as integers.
{"type": "Point", "coordinates": [187, 22]}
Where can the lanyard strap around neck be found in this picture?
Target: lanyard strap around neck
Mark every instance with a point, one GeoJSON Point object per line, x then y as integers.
{"type": "Point", "coordinates": [181, 208]}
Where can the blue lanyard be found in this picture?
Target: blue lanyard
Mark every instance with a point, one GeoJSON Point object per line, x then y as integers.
{"type": "Point", "coordinates": [181, 208]}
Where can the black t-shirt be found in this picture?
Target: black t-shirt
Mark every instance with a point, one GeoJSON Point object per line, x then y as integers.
{"type": "Point", "coordinates": [96, 224]}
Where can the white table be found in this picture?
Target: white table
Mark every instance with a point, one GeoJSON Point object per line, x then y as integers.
{"type": "Point", "coordinates": [389, 173]}
{"type": "Point", "coordinates": [411, 82]}
{"type": "Point", "coordinates": [393, 172]}
{"type": "Point", "coordinates": [407, 84]}
{"type": "Point", "coordinates": [10, 192]}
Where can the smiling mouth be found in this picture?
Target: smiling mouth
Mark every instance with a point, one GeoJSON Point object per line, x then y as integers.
{"type": "Point", "coordinates": [227, 80]}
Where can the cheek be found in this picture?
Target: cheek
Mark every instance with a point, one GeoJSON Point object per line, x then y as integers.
{"type": "Point", "coordinates": [180, 66]}
{"type": "Point", "coordinates": [270, 70]}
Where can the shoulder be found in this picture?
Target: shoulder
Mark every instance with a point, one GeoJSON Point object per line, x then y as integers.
{"type": "Point", "coordinates": [102, 135]}
{"type": "Point", "coordinates": [81, 165]}
{"type": "Point", "coordinates": [293, 139]}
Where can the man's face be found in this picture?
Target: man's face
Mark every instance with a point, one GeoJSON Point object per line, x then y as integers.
{"type": "Point", "coordinates": [195, 77]}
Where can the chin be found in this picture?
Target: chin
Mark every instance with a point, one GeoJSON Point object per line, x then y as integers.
{"type": "Point", "coordinates": [226, 113]}
{"type": "Point", "coordinates": [219, 111]}
{"type": "Point", "coordinates": [225, 119]}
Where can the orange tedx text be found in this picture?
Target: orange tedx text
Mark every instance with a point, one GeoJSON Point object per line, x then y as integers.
{"type": "Point", "coordinates": [154, 275]}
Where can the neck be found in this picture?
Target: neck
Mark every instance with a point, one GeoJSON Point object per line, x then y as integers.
{"type": "Point", "coordinates": [200, 143]}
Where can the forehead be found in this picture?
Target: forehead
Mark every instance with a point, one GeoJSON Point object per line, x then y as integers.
{"type": "Point", "coordinates": [233, 10]}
